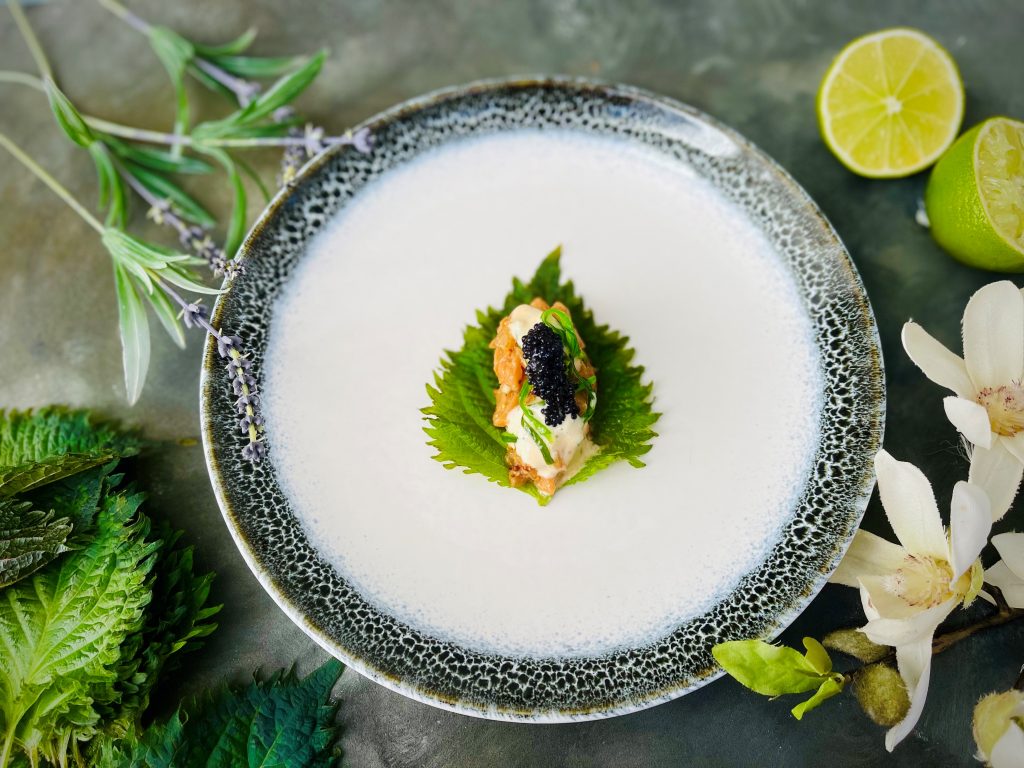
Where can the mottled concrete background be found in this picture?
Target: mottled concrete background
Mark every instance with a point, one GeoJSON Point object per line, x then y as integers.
{"type": "Point", "coordinates": [754, 65]}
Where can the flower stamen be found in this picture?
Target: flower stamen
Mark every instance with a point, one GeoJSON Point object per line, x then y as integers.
{"type": "Point", "coordinates": [1005, 406]}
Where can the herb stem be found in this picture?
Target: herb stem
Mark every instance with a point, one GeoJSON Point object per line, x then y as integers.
{"type": "Point", "coordinates": [158, 137]}
{"type": "Point", "coordinates": [125, 15]}
{"type": "Point", "coordinates": [22, 78]}
{"type": "Point", "coordinates": [5, 756]}
{"type": "Point", "coordinates": [30, 38]}
{"type": "Point", "coordinates": [51, 182]}
{"type": "Point", "coordinates": [177, 299]}
{"type": "Point", "coordinates": [244, 90]}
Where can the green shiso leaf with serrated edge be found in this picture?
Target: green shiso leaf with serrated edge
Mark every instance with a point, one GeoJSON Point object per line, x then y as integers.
{"type": "Point", "coordinates": [62, 629]}
{"type": "Point", "coordinates": [176, 621]}
{"type": "Point", "coordinates": [458, 419]}
{"type": "Point", "coordinates": [282, 721]}
{"type": "Point", "coordinates": [29, 539]}
{"type": "Point", "coordinates": [45, 445]}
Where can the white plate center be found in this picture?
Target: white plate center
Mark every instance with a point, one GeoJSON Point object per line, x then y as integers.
{"type": "Point", "coordinates": [657, 253]}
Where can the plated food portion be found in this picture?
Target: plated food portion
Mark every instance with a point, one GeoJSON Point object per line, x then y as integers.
{"type": "Point", "coordinates": [546, 395]}
{"type": "Point", "coordinates": [540, 392]}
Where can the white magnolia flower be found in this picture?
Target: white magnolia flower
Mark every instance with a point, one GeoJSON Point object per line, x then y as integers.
{"type": "Point", "coordinates": [908, 588]}
{"type": "Point", "coordinates": [988, 408]}
{"type": "Point", "coordinates": [999, 729]}
{"type": "Point", "coordinates": [1008, 573]}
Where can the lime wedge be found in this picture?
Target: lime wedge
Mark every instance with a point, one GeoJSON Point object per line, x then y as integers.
{"type": "Point", "coordinates": [975, 197]}
{"type": "Point", "coordinates": [891, 103]}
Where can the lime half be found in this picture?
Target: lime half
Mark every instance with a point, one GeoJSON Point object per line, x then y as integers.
{"type": "Point", "coordinates": [891, 103]}
{"type": "Point", "coordinates": [975, 197]}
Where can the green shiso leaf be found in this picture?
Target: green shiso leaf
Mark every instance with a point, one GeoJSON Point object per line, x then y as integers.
{"type": "Point", "coordinates": [43, 446]}
{"type": "Point", "coordinates": [177, 619]}
{"type": "Point", "coordinates": [283, 721]}
{"type": "Point", "coordinates": [61, 631]}
{"type": "Point", "coordinates": [458, 420]}
{"type": "Point", "coordinates": [29, 539]}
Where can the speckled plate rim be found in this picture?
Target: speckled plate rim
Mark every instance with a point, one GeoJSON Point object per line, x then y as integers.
{"type": "Point", "coordinates": [366, 667]}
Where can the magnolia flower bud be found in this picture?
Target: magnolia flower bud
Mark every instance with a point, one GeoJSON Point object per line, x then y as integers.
{"type": "Point", "coordinates": [882, 694]}
{"type": "Point", "coordinates": [999, 717]}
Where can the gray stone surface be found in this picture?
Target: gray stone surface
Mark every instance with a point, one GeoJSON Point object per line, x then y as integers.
{"type": "Point", "coordinates": [754, 65]}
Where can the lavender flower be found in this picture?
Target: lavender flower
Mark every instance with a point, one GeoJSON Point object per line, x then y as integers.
{"type": "Point", "coordinates": [255, 451]}
{"type": "Point", "coordinates": [192, 314]}
{"type": "Point", "coordinates": [362, 140]}
{"type": "Point", "coordinates": [227, 343]}
{"type": "Point", "coordinates": [232, 268]}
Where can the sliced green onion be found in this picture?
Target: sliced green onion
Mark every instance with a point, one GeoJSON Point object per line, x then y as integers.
{"type": "Point", "coordinates": [508, 437]}
{"type": "Point", "coordinates": [534, 427]}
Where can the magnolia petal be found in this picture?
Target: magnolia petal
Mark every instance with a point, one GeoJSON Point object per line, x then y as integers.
{"type": "Point", "coordinates": [868, 555]}
{"type": "Point", "coordinates": [970, 418]}
{"type": "Point", "coordinates": [1009, 583]}
{"type": "Point", "coordinates": [994, 335]}
{"type": "Point", "coordinates": [942, 366]}
{"type": "Point", "coordinates": [1010, 547]}
{"type": "Point", "coordinates": [914, 662]}
{"type": "Point", "coordinates": [1015, 445]}
{"type": "Point", "coordinates": [1009, 750]}
{"type": "Point", "coordinates": [997, 471]}
{"type": "Point", "coordinates": [899, 632]}
{"type": "Point", "coordinates": [970, 522]}
{"type": "Point", "coordinates": [910, 506]}
{"type": "Point", "coordinates": [880, 602]}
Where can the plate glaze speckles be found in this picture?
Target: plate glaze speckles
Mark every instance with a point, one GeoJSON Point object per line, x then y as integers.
{"type": "Point", "coordinates": [557, 681]}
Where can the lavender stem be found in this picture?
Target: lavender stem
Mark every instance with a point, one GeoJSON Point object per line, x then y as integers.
{"type": "Point", "coordinates": [244, 90]}
{"type": "Point", "coordinates": [29, 36]}
{"type": "Point", "coordinates": [125, 15]}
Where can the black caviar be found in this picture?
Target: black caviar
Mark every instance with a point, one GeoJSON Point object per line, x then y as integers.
{"type": "Point", "coordinates": [547, 371]}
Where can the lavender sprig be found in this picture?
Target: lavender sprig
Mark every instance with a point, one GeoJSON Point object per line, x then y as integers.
{"type": "Point", "coordinates": [239, 367]}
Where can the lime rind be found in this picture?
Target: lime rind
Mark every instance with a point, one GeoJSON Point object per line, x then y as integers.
{"type": "Point", "coordinates": [962, 221]}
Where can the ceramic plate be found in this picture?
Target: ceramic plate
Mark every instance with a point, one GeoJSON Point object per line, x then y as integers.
{"type": "Point", "coordinates": [738, 299]}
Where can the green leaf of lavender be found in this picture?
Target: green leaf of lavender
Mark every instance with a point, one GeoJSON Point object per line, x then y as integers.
{"type": "Point", "coordinates": [175, 53]}
{"type": "Point", "coordinates": [230, 48]}
{"type": "Point", "coordinates": [278, 95]}
{"type": "Point", "coordinates": [167, 314]}
{"type": "Point", "coordinates": [112, 192]}
{"type": "Point", "coordinates": [68, 118]}
{"type": "Point", "coordinates": [249, 171]}
{"type": "Point", "coordinates": [212, 84]}
{"type": "Point", "coordinates": [257, 66]}
{"type": "Point", "coordinates": [184, 204]}
{"type": "Point", "coordinates": [236, 225]}
{"type": "Point", "coordinates": [134, 334]}
{"type": "Point", "coordinates": [157, 159]}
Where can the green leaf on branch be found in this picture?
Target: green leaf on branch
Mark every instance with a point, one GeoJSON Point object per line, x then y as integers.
{"type": "Point", "coordinates": [774, 670]}
{"type": "Point", "coordinates": [257, 66]}
{"type": "Point", "coordinates": [458, 419]}
{"type": "Point", "coordinates": [831, 686]}
{"type": "Point", "coordinates": [157, 159]}
{"type": "Point", "coordinates": [183, 203]}
{"type": "Point", "coordinates": [29, 539]}
{"type": "Point", "coordinates": [68, 118]}
{"type": "Point", "coordinates": [855, 643]}
{"type": "Point", "coordinates": [175, 53]}
{"type": "Point", "coordinates": [281, 93]}
{"type": "Point", "coordinates": [231, 48]}
{"type": "Point", "coordinates": [112, 195]}
{"type": "Point", "coordinates": [134, 334]}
